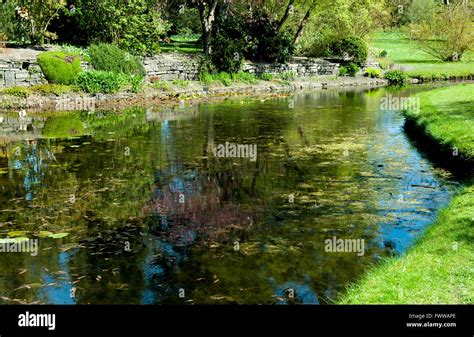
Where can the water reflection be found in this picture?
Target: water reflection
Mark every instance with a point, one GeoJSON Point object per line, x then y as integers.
{"type": "Point", "coordinates": [154, 217]}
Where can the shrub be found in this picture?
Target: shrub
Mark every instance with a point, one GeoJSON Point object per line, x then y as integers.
{"type": "Point", "coordinates": [342, 71]}
{"type": "Point", "coordinates": [59, 67]}
{"type": "Point", "coordinates": [22, 92]}
{"type": "Point", "coordinates": [396, 77]}
{"type": "Point", "coordinates": [108, 57]}
{"type": "Point", "coordinates": [352, 69]}
{"type": "Point", "coordinates": [136, 83]}
{"type": "Point", "coordinates": [373, 73]}
{"type": "Point", "coordinates": [251, 35]}
{"type": "Point", "coordinates": [354, 47]}
{"type": "Point", "coordinates": [244, 77]}
{"type": "Point", "coordinates": [163, 85]}
{"type": "Point", "coordinates": [106, 82]}
{"type": "Point", "coordinates": [266, 76]}
{"type": "Point", "coordinates": [288, 75]}
{"type": "Point", "coordinates": [383, 53]}
{"type": "Point", "coordinates": [227, 55]}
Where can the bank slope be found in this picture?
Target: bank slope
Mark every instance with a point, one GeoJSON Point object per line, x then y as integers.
{"type": "Point", "coordinates": [439, 268]}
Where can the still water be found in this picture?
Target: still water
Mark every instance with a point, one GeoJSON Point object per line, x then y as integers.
{"type": "Point", "coordinates": [150, 206]}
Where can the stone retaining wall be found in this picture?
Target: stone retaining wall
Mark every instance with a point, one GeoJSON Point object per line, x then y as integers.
{"type": "Point", "coordinates": [165, 66]}
{"type": "Point", "coordinates": [20, 72]}
{"type": "Point", "coordinates": [186, 67]}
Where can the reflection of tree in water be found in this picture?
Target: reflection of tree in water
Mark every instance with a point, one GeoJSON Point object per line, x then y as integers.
{"type": "Point", "coordinates": [190, 205]}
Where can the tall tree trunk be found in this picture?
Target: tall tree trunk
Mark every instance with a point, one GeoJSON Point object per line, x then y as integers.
{"type": "Point", "coordinates": [303, 23]}
{"type": "Point", "coordinates": [207, 22]}
{"type": "Point", "coordinates": [285, 17]}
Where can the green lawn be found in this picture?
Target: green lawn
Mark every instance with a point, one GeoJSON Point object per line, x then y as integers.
{"type": "Point", "coordinates": [407, 54]}
{"type": "Point", "coordinates": [447, 115]}
{"type": "Point", "coordinates": [439, 268]}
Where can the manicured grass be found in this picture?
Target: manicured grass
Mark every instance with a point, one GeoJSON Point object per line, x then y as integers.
{"type": "Point", "coordinates": [439, 268]}
{"type": "Point", "coordinates": [447, 115]}
{"type": "Point", "coordinates": [408, 55]}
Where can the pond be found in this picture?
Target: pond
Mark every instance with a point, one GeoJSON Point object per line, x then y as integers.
{"type": "Point", "coordinates": [233, 202]}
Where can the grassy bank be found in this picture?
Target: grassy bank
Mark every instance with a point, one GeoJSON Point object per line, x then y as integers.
{"type": "Point", "coordinates": [439, 266]}
{"type": "Point", "coordinates": [447, 116]}
{"type": "Point", "coordinates": [407, 55]}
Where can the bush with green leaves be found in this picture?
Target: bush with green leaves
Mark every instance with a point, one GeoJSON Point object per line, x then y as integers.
{"type": "Point", "coordinates": [134, 25]}
{"type": "Point", "coordinates": [396, 77]}
{"type": "Point", "coordinates": [342, 71]}
{"type": "Point", "coordinates": [106, 82]}
{"type": "Point", "coordinates": [266, 76]}
{"type": "Point", "coordinates": [373, 73]}
{"type": "Point", "coordinates": [353, 47]}
{"type": "Point", "coordinates": [108, 57]}
{"type": "Point", "coordinates": [60, 67]}
{"type": "Point", "coordinates": [352, 69]}
{"type": "Point", "coordinates": [251, 35]}
{"type": "Point", "coordinates": [288, 76]}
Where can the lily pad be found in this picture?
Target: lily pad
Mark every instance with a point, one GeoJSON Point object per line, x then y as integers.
{"type": "Point", "coordinates": [58, 235]}
{"type": "Point", "coordinates": [16, 233]}
{"type": "Point", "coordinates": [44, 234]}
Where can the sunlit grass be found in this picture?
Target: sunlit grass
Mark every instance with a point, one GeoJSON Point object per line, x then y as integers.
{"type": "Point", "coordinates": [408, 55]}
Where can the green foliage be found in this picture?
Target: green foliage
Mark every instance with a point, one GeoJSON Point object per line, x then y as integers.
{"type": "Point", "coordinates": [54, 89]}
{"type": "Point", "coordinates": [342, 71]}
{"type": "Point", "coordinates": [352, 69]}
{"type": "Point", "coordinates": [106, 82]}
{"type": "Point", "coordinates": [250, 35]}
{"type": "Point", "coordinates": [22, 92]}
{"type": "Point", "coordinates": [245, 77]}
{"type": "Point", "coordinates": [396, 77]}
{"type": "Point", "coordinates": [353, 47]}
{"type": "Point", "coordinates": [108, 57]}
{"type": "Point", "coordinates": [162, 85]}
{"type": "Point", "coordinates": [134, 25]}
{"type": "Point", "coordinates": [383, 53]}
{"type": "Point", "coordinates": [136, 82]}
{"type": "Point", "coordinates": [448, 35]}
{"type": "Point", "coordinates": [266, 76]}
{"type": "Point", "coordinates": [181, 83]}
{"type": "Point", "coordinates": [288, 76]}
{"type": "Point", "coordinates": [59, 67]}
{"type": "Point", "coordinates": [373, 73]}
{"type": "Point", "coordinates": [227, 53]}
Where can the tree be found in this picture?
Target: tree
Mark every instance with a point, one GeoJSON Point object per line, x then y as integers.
{"type": "Point", "coordinates": [35, 16]}
{"type": "Point", "coordinates": [449, 34]}
{"type": "Point", "coordinates": [207, 14]}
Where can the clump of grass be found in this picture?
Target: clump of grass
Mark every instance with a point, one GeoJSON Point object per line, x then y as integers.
{"type": "Point", "coordinates": [266, 76]}
{"type": "Point", "coordinates": [288, 76]}
{"type": "Point", "coordinates": [181, 83]}
{"type": "Point", "coordinates": [162, 85]}
{"type": "Point", "coordinates": [22, 92]}
{"type": "Point", "coordinates": [242, 76]}
{"type": "Point", "coordinates": [48, 89]}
